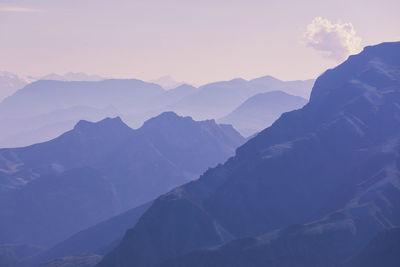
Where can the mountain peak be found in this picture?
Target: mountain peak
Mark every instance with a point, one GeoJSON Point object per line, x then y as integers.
{"type": "Point", "coordinates": [167, 82]}
{"type": "Point", "coordinates": [266, 78]}
{"type": "Point", "coordinates": [374, 66]}
{"type": "Point", "coordinates": [72, 76]}
{"type": "Point", "coordinates": [108, 122]}
{"type": "Point", "coordinates": [168, 117]}
{"type": "Point", "coordinates": [172, 124]}
{"type": "Point", "coordinates": [385, 47]}
{"type": "Point", "coordinates": [184, 86]}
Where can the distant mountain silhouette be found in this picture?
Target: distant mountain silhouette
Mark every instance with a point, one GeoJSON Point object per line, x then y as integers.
{"type": "Point", "coordinates": [326, 175]}
{"type": "Point", "coordinates": [134, 100]}
{"type": "Point", "coordinates": [45, 96]}
{"type": "Point", "coordinates": [175, 94]}
{"type": "Point", "coordinates": [72, 76]}
{"type": "Point", "coordinates": [44, 109]}
{"type": "Point", "coordinates": [167, 82]}
{"type": "Point", "coordinates": [297, 88]}
{"type": "Point", "coordinates": [215, 100]}
{"type": "Point", "coordinates": [10, 83]}
{"type": "Point", "coordinates": [159, 104]}
{"type": "Point", "coordinates": [30, 130]}
{"type": "Point", "coordinates": [49, 191]}
{"type": "Point", "coordinates": [261, 110]}
{"type": "Point", "coordinates": [58, 105]}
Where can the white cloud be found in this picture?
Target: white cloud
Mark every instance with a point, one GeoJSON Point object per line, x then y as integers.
{"type": "Point", "coordinates": [18, 9]}
{"type": "Point", "coordinates": [336, 41]}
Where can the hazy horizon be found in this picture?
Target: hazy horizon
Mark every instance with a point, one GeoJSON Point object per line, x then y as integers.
{"type": "Point", "coordinates": [193, 42]}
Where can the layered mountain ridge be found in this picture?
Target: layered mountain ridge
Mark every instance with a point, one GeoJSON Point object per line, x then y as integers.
{"type": "Point", "coordinates": [261, 110]}
{"type": "Point", "coordinates": [44, 109]}
{"type": "Point", "coordinates": [330, 167]}
{"type": "Point", "coordinates": [98, 170]}
{"type": "Point", "coordinates": [216, 100]}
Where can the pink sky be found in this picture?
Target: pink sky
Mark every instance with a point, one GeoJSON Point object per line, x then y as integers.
{"type": "Point", "coordinates": [193, 41]}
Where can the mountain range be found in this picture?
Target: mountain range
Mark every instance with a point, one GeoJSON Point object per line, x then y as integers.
{"type": "Point", "coordinates": [261, 110]}
{"type": "Point", "coordinates": [218, 99]}
{"type": "Point", "coordinates": [51, 190]}
{"type": "Point", "coordinates": [72, 76]}
{"type": "Point", "coordinates": [319, 186]}
{"type": "Point", "coordinates": [311, 190]}
{"type": "Point", "coordinates": [28, 115]}
{"type": "Point", "coordinates": [44, 96]}
{"type": "Point", "coordinates": [167, 82]}
{"type": "Point", "coordinates": [10, 83]}
{"type": "Point", "coordinates": [95, 240]}
{"type": "Point", "coordinates": [18, 132]}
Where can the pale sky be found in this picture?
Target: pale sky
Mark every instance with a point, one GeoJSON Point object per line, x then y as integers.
{"type": "Point", "coordinates": [193, 41]}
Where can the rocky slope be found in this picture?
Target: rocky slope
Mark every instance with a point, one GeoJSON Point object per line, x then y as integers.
{"type": "Point", "coordinates": [331, 167]}
{"type": "Point", "coordinates": [51, 190]}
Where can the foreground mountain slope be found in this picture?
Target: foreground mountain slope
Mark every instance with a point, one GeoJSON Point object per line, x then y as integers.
{"type": "Point", "coordinates": [261, 110]}
{"type": "Point", "coordinates": [340, 151]}
{"type": "Point", "coordinates": [331, 242]}
{"type": "Point", "coordinates": [383, 250]}
{"type": "Point", "coordinates": [87, 260]}
{"type": "Point", "coordinates": [54, 189]}
{"type": "Point", "coordinates": [11, 254]}
{"type": "Point", "coordinates": [98, 239]}
{"type": "Point", "coordinates": [296, 246]}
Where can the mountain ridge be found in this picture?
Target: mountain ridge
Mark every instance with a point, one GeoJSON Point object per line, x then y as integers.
{"type": "Point", "coordinates": [134, 100]}
{"type": "Point", "coordinates": [330, 157]}
{"type": "Point", "coordinates": [261, 110]}
{"type": "Point", "coordinates": [124, 167]}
